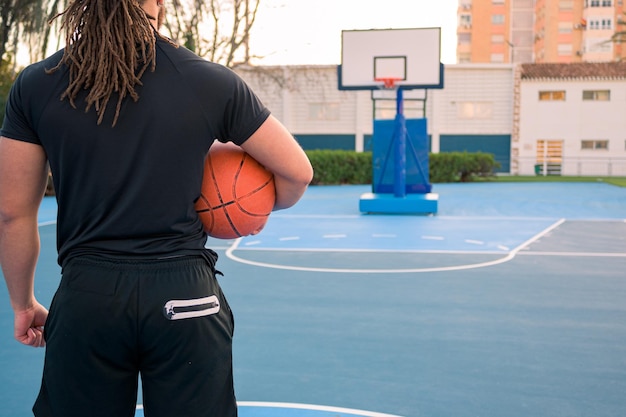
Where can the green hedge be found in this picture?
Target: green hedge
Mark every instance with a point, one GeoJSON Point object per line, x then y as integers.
{"type": "Point", "coordinates": [461, 166]}
{"type": "Point", "coordinates": [341, 167]}
{"type": "Point", "coordinates": [349, 167]}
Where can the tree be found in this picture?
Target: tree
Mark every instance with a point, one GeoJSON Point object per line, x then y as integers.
{"type": "Point", "coordinates": [218, 30]}
{"type": "Point", "coordinates": [24, 22]}
{"type": "Point", "coordinates": [6, 79]}
{"type": "Point", "coordinates": [620, 36]}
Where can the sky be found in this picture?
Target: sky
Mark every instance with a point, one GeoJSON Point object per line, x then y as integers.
{"type": "Point", "coordinates": [308, 32]}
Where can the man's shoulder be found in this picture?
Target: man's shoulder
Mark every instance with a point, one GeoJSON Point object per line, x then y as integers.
{"type": "Point", "coordinates": [189, 62]}
{"type": "Point", "coordinates": [41, 68]}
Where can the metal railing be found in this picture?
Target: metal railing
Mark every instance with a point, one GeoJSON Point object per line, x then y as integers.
{"type": "Point", "coordinates": [571, 166]}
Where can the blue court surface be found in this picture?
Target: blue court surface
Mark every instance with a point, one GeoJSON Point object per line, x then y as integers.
{"type": "Point", "coordinates": [509, 302]}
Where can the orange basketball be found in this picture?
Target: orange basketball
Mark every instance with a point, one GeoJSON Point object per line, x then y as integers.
{"type": "Point", "coordinates": [237, 193]}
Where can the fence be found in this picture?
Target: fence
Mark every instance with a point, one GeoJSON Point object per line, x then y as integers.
{"type": "Point", "coordinates": [574, 166]}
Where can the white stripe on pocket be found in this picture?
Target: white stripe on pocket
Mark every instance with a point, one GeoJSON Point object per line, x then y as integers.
{"type": "Point", "coordinates": [196, 307]}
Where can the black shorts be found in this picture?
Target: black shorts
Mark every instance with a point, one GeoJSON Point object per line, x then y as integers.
{"type": "Point", "coordinates": [111, 320]}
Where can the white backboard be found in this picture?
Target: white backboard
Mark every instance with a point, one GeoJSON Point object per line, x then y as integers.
{"type": "Point", "coordinates": [412, 56]}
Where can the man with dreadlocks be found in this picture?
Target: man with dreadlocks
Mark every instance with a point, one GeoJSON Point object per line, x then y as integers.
{"type": "Point", "coordinates": [124, 119]}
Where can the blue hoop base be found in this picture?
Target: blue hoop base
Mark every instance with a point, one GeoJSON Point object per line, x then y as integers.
{"type": "Point", "coordinates": [390, 204]}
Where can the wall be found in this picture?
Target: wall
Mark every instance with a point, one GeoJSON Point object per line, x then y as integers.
{"type": "Point", "coordinates": [307, 100]}
{"type": "Point", "coordinates": [572, 121]}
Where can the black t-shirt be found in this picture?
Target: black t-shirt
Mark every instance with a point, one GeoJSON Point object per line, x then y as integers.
{"type": "Point", "coordinates": [129, 190]}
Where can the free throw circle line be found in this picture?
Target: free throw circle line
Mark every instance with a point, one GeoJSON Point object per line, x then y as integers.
{"type": "Point", "coordinates": [230, 254]}
{"type": "Point", "coordinates": [311, 407]}
{"type": "Point", "coordinates": [314, 408]}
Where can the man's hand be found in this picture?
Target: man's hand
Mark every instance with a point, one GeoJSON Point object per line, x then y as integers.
{"type": "Point", "coordinates": [29, 324]}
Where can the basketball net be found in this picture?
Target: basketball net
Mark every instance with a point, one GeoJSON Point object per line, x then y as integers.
{"type": "Point", "coordinates": [389, 83]}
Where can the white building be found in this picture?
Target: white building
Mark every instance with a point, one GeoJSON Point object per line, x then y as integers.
{"type": "Point", "coordinates": [513, 112]}
{"type": "Point", "coordinates": [473, 112]}
{"type": "Point", "coordinates": [307, 100]}
{"type": "Point", "coordinates": [572, 119]}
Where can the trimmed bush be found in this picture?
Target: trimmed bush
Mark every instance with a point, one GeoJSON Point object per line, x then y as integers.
{"type": "Point", "coordinates": [350, 167]}
{"type": "Point", "coordinates": [461, 166]}
{"type": "Point", "coordinates": [340, 167]}
{"type": "Point", "coordinates": [334, 167]}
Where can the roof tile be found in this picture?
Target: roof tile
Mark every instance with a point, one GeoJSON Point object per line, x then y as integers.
{"type": "Point", "coordinates": [582, 70]}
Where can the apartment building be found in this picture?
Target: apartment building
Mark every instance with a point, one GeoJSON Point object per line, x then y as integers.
{"type": "Point", "coordinates": [524, 31]}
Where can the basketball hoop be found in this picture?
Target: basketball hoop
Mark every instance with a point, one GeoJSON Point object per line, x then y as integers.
{"type": "Point", "coordinates": [388, 82]}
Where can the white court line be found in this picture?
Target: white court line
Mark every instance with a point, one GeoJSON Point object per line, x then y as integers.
{"type": "Point", "coordinates": [230, 254]}
{"type": "Point", "coordinates": [586, 254]}
{"type": "Point", "coordinates": [315, 216]}
{"type": "Point", "coordinates": [276, 215]}
{"type": "Point", "coordinates": [48, 223]}
{"type": "Point", "coordinates": [315, 408]}
{"type": "Point", "coordinates": [377, 250]}
{"type": "Point", "coordinates": [217, 247]}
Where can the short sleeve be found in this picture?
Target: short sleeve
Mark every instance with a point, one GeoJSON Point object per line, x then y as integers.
{"type": "Point", "coordinates": [18, 123]}
{"type": "Point", "coordinates": [244, 112]}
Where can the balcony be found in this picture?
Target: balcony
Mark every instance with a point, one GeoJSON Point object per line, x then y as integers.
{"type": "Point", "coordinates": [599, 3]}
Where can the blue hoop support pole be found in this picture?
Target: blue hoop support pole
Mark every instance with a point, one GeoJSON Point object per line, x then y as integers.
{"type": "Point", "coordinates": [400, 133]}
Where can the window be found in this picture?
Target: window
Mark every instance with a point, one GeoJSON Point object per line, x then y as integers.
{"type": "Point", "coordinates": [594, 145]}
{"type": "Point", "coordinates": [552, 95]}
{"type": "Point", "coordinates": [601, 24]}
{"type": "Point", "coordinates": [497, 1]}
{"type": "Point", "coordinates": [475, 110]}
{"type": "Point", "coordinates": [599, 44]}
{"type": "Point", "coordinates": [465, 20]}
{"type": "Point", "coordinates": [324, 111]}
{"type": "Point", "coordinates": [599, 3]}
{"type": "Point", "coordinates": [497, 58]}
{"type": "Point", "coordinates": [564, 49]}
{"type": "Point", "coordinates": [497, 38]}
{"type": "Point", "coordinates": [597, 95]}
{"type": "Point", "coordinates": [465, 38]}
{"type": "Point", "coordinates": [523, 19]}
{"type": "Point", "coordinates": [497, 19]}
{"type": "Point", "coordinates": [522, 38]}
{"type": "Point", "coordinates": [566, 4]}
{"type": "Point", "coordinates": [523, 56]}
{"type": "Point", "coordinates": [520, 4]}
{"type": "Point", "coordinates": [464, 57]}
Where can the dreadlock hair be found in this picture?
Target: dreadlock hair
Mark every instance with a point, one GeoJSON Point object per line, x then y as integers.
{"type": "Point", "coordinates": [109, 44]}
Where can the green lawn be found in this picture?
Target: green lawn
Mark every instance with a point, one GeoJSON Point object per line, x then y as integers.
{"type": "Point", "coordinates": [619, 181]}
